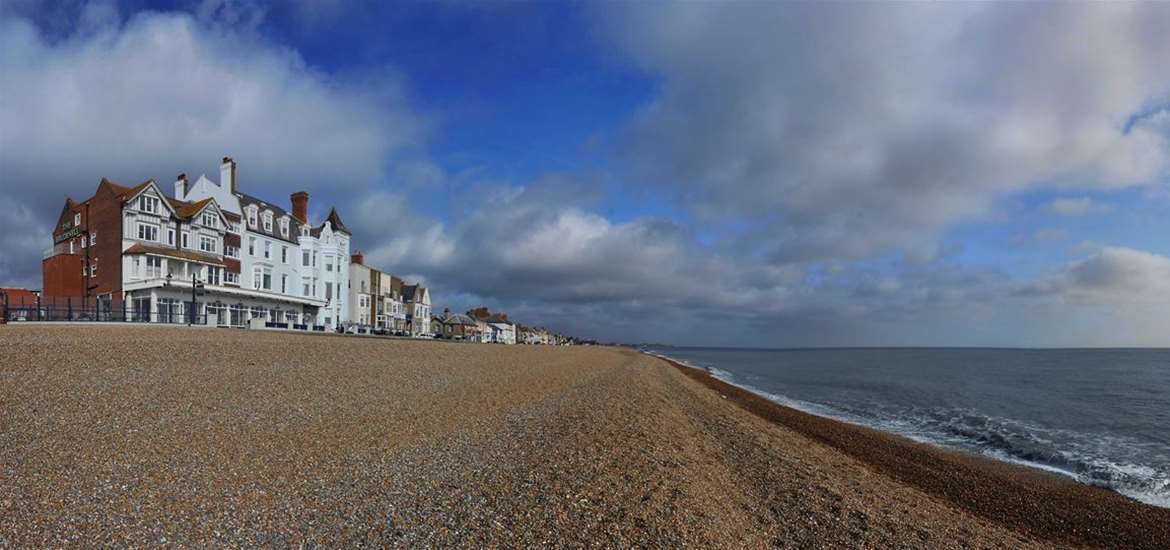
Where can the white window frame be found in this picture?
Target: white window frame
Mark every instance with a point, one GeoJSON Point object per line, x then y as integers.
{"type": "Point", "coordinates": [76, 218]}
{"type": "Point", "coordinates": [209, 219]}
{"type": "Point", "coordinates": [208, 244]}
{"type": "Point", "coordinates": [144, 229]}
{"type": "Point", "coordinates": [149, 204]}
{"type": "Point", "coordinates": [268, 222]}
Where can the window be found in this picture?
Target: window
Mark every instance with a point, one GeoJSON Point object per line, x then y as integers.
{"type": "Point", "coordinates": [148, 203]}
{"type": "Point", "coordinates": [314, 259]}
{"type": "Point", "coordinates": [209, 219]}
{"type": "Point", "coordinates": [185, 243]}
{"type": "Point", "coordinates": [231, 277]}
{"type": "Point", "coordinates": [329, 264]}
{"type": "Point", "coordinates": [328, 290]}
{"type": "Point", "coordinates": [257, 277]}
{"type": "Point", "coordinates": [267, 279]}
{"type": "Point", "coordinates": [147, 232]}
{"type": "Point", "coordinates": [93, 270]}
{"type": "Point", "coordinates": [251, 246]}
{"type": "Point", "coordinates": [213, 276]}
{"type": "Point", "coordinates": [284, 227]}
{"type": "Point", "coordinates": [305, 258]}
{"type": "Point", "coordinates": [171, 237]}
{"type": "Point", "coordinates": [305, 292]}
{"type": "Point", "coordinates": [284, 254]}
{"type": "Point", "coordinates": [207, 244]}
{"type": "Point", "coordinates": [153, 267]}
{"type": "Point", "coordinates": [252, 217]}
{"type": "Point", "coordinates": [93, 238]}
{"type": "Point", "coordinates": [284, 284]}
{"type": "Point", "coordinates": [77, 218]}
{"type": "Point", "coordinates": [267, 249]}
{"type": "Point", "coordinates": [268, 222]}
{"type": "Point", "coordinates": [83, 243]}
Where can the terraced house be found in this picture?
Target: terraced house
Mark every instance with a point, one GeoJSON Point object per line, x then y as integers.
{"type": "Point", "coordinates": [137, 251]}
{"type": "Point", "coordinates": [378, 303]}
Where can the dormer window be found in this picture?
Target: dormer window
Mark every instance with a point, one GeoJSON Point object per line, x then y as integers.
{"type": "Point", "coordinates": [252, 218]}
{"type": "Point", "coordinates": [209, 219]}
{"type": "Point", "coordinates": [284, 227]}
{"type": "Point", "coordinates": [149, 204]}
{"type": "Point", "coordinates": [268, 222]}
{"type": "Point", "coordinates": [77, 218]}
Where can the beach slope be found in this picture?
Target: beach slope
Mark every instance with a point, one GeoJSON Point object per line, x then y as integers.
{"type": "Point", "coordinates": [201, 437]}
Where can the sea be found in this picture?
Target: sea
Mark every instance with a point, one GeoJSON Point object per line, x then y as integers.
{"type": "Point", "coordinates": [1101, 416]}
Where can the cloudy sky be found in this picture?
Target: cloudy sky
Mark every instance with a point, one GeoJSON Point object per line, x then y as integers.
{"type": "Point", "coordinates": [756, 174]}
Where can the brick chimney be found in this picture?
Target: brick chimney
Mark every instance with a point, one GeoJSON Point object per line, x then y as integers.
{"type": "Point", "coordinates": [181, 187]}
{"type": "Point", "coordinates": [357, 258]}
{"type": "Point", "coordinates": [300, 206]}
{"type": "Point", "coordinates": [227, 174]}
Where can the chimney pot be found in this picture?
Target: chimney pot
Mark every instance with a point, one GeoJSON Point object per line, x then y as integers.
{"type": "Point", "coordinates": [300, 206]}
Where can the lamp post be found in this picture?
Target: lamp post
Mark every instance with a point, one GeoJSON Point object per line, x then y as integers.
{"type": "Point", "coordinates": [195, 286]}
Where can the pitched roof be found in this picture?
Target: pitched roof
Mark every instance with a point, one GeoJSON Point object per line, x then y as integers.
{"type": "Point", "coordinates": [335, 220]}
{"type": "Point", "coordinates": [124, 193]}
{"type": "Point", "coordinates": [173, 253]}
{"type": "Point", "coordinates": [458, 319]}
{"type": "Point", "coordinates": [186, 209]}
{"type": "Point", "coordinates": [294, 225]}
{"type": "Point", "coordinates": [408, 292]}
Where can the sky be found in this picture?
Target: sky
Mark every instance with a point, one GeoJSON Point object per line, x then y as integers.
{"type": "Point", "coordinates": [699, 173]}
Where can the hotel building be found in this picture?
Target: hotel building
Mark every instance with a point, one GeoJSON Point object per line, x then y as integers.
{"type": "Point", "coordinates": [133, 250]}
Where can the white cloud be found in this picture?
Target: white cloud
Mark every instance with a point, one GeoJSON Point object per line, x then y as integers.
{"type": "Point", "coordinates": [164, 93]}
{"type": "Point", "coordinates": [855, 130]}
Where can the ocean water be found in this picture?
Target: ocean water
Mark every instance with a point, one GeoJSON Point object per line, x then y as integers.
{"type": "Point", "coordinates": [1101, 416]}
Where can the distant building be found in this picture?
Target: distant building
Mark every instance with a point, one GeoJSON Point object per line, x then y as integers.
{"type": "Point", "coordinates": [455, 326]}
{"type": "Point", "coordinates": [417, 300]}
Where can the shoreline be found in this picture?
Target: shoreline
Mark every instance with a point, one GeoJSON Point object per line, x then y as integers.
{"type": "Point", "coordinates": [1047, 505]}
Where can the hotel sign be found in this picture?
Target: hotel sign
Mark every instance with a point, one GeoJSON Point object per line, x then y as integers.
{"type": "Point", "coordinates": [68, 234]}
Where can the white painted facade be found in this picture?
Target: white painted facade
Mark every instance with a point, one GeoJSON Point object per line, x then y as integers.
{"type": "Point", "coordinates": [283, 265]}
{"type": "Point", "coordinates": [324, 272]}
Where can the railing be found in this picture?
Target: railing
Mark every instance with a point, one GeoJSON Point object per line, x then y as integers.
{"type": "Point", "coordinates": [88, 310]}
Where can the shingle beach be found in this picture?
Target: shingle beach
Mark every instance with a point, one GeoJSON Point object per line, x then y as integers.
{"type": "Point", "coordinates": [144, 436]}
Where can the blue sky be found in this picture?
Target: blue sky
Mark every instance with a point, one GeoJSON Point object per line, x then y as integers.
{"type": "Point", "coordinates": [731, 174]}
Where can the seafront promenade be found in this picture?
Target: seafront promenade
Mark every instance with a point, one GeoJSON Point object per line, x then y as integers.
{"type": "Point", "coordinates": [122, 435]}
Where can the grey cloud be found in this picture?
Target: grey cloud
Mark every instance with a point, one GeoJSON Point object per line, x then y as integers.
{"type": "Point", "coordinates": [853, 130]}
{"type": "Point", "coordinates": [1114, 276]}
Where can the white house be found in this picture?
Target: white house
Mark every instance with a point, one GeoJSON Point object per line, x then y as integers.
{"type": "Point", "coordinates": [298, 273]}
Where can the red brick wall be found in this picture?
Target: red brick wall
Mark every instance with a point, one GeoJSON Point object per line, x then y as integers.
{"type": "Point", "coordinates": [61, 277]}
{"type": "Point", "coordinates": [105, 218]}
{"type": "Point", "coordinates": [62, 274]}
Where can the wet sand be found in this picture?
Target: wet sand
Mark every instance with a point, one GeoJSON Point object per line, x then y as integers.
{"type": "Point", "coordinates": [204, 437]}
